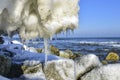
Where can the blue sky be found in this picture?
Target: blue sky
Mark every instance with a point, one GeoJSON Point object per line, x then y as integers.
{"type": "Point", "coordinates": [98, 18]}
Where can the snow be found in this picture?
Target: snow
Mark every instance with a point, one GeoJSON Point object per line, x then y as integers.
{"type": "Point", "coordinates": [20, 55]}
{"type": "Point", "coordinates": [34, 76]}
{"type": "Point", "coordinates": [86, 63]}
{"type": "Point", "coordinates": [60, 70]}
{"type": "Point", "coordinates": [37, 75]}
{"type": "Point", "coordinates": [108, 72]}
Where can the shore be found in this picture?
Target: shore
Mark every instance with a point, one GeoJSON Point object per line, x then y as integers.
{"type": "Point", "coordinates": [20, 62]}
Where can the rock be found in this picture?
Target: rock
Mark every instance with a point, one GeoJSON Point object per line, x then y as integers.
{"type": "Point", "coordinates": [69, 52]}
{"type": "Point", "coordinates": [3, 78]}
{"type": "Point", "coordinates": [60, 70]}
{"type": "Point", "coordinates": [32, 70]}
{"type": "Point", "coordinates": [64, 54]}
{"type": "Point", "coordinates": [54, 50]}
{"type": "Point", "coordinates": [76, 55]}
{"type": "Point", "coordinates": [5, 65]}
{"type": "Point", "coordinates": [1, 40]}
{"type": "Point", "coordinates": [85, 64]}
{"type": "Point", "coordinates": [112, 57]}
{"type": "Point", "coordinates": [107, 72]}
{"type": "Point", "coordinates": [67, 69]}
{"type": "Point", "coordinates": [104, 62]}
{"type": "Point", "coordinates": [15, 71]}
{"type": "Point", "coordinates": [39, 50]}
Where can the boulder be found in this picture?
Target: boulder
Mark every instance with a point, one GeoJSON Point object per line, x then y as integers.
{"type": "Point", "coordinates": [112, 57]}
{"type": "Point", "coordinates": [39, 50]}
{"type": "Point", "coordinates": [67, 69]}
{"type": "Point", "coordinates": [15, 71]}
{"type": "Point", "coordinates": [5, 65]}
{"type": "Point", "coordinates": [60, 70]}
{"type": "Point", "coordinates": [32, 70]}
{"type": "Point", "coordinates": [85, 64]}
{"type": "Point", "coordinates": [64, 54]}
{"type": "Point", "coordinates": [107, 72]}
{"type": "Point", "coordinates": [54, 50]}
{"type": "Point", "coordinates": [69, 52]}
{"type": "Point", "coordinates": [104, 62]}
{"type": "Point", "coordinates": [76, 55]}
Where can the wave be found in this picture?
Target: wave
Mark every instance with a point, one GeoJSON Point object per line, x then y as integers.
{"type": "Point", "coordinates": [95, 43]}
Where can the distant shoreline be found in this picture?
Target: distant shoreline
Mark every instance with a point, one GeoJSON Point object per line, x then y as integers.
{"type": "Point", "coordinates": [71, 38]}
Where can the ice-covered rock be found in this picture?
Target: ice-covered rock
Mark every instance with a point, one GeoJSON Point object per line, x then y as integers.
{"type": "Point", "coordinates": [107, 72]}
{"type": "Point", "coordinates": [69, 52]}
{"type": "Point", "coordinates": [67, 69]}
{"type": "Point", "coordinates": [56, 68]}
{"type": "Point", "coordinates": [86, 63]}
{"type": "Point", "coordinates": [54, 50]}
{"type": "Point", "coordinates": [64, 54]}
{"type": "Point", "coordinates": [60, 70]}
{"type": "Point", "coordinates": [31, 49]}
{"type": "Point", "coordinates": [32, 71]}
{"type": "Point", "coordinates": [19, 55]}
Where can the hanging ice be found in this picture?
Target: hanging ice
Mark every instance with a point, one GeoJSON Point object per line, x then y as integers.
{"type": "Point", "coordinates": [38, 18]}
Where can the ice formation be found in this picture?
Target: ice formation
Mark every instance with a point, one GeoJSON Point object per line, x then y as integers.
{"type": "Point", "coordinates": [38, 18]}
{"type": "Point", "coordinates": [108, 72]}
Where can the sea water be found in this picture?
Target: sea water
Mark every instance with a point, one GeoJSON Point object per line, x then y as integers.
{"type": "Point", "coordinates": [98, 46]}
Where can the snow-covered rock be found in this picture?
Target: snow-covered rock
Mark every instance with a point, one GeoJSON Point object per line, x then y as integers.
{"type": "Point", "coordinates": [64, 54]}
{"type": "Point", "coordinates": [85, 64]}
{"type": "Point", "coordinates": [26, 48]}
{"type": "Point", "coordinates": [32, 71]}
{"type": "Point", "coordinates": [108, 72]}
{"type": "Point", "coordinates": [56, 68]}
{"type": "Point", "coordinates": [20, 55]}
{"type": "Point", "coordinates": [60, 70]}
{"type": "Point", "coordinates": [67, 69]}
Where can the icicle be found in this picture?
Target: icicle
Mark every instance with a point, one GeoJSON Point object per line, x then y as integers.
{"type": "Point", "coordinates": [46, 50]}
{"type": "Point", "coordinates": [74, 70]}
{"type": "Point", "coordinates": [66, 33]}
{"type": "Point", "coordinates": [51, 37]}
{"type": "Point", "coordinates": [69, 32]}
{"type": "Point", "coordinates": [63, 33]}
{"type": "Point", "coordinates": [73, 31]}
